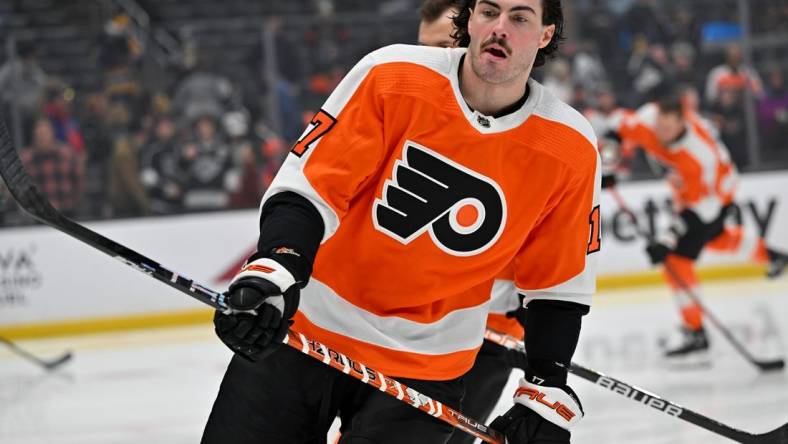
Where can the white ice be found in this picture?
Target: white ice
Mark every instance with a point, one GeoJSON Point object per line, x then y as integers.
{"type": "Point", "coordinates": [157, 386]}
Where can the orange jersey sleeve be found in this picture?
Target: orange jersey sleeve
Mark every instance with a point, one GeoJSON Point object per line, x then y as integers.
{"type": "Point", "coordinates": [558, 260]}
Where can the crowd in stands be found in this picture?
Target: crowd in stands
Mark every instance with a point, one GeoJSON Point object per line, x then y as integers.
{"type": "Point", "coordinates": [201, 143]}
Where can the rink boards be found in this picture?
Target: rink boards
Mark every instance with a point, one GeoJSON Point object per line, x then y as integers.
{"type": "Point", "coordinates": [50, 283]}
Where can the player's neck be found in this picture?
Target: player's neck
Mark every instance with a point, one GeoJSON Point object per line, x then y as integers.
{"type": "Point", "coordinates": [489, 98]}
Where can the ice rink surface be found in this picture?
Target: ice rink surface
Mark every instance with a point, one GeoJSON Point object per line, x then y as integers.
{"type": "Point", "coordinates": [157, 386]}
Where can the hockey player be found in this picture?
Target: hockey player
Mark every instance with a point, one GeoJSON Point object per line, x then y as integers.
{"type": "Point", "coordinates": [704, 180]}
{"type": "Point", "coordinates": [485, 382]}
{"type": "Point", "coordinates": [426, 173]}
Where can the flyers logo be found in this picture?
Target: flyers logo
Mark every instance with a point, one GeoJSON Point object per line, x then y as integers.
{"type": "Point", "coordinates": [463, 211]}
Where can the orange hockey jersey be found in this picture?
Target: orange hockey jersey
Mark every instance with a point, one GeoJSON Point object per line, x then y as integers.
{"type": "Point", "coordinates": [702, 175]}
{"type": "Point", "coordinates": [425, 201]}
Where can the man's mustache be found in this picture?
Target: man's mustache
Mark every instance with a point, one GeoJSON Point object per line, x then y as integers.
{"type": "Point", "coordinates": [495, 40]}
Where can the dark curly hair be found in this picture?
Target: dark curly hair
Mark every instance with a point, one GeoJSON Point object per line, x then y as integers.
{"type": "Point", "coordinates": [552, 14]}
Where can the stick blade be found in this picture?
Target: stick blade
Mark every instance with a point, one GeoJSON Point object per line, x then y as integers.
{"type": "Point", "coordinates": [55, 364]}
{"type": "Point", "coordinates": [771, 366]}
{"type": "Point", "coordinates": [776, 436]}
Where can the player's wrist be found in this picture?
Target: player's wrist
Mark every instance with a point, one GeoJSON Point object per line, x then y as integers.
{"type": "Point", "coordinates": [266, 269]}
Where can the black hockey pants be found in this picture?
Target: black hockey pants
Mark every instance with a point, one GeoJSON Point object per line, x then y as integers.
{"type": "Point", "coordinates": [290, 398]}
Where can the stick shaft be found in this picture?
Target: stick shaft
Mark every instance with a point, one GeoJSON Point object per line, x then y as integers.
{"type": "Point", "coordinates": [30, 199]}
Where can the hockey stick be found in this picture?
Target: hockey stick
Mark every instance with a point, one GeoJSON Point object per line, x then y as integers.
{"type": "Point", "coordinates": [777, 436]}
{"type": "Point", "coordinates": [46, 364]}
{"type": "Point", "coordinates": [30, 199]}
{"type": "Point", "coordinates": [772, 365]}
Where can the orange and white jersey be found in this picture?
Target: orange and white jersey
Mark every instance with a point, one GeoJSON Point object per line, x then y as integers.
{"type": "Point", "coordinates": [724, 77]}
{"type": "Point", "coordinates": [702, 175]}
{"type": "Point", "coordinates": [425, 201]}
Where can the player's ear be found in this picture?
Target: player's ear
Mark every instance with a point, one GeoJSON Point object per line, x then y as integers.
{"type": "Point", "coordinates": [470, 21]}
{"type": "Point", "coordinates": [547, 35]}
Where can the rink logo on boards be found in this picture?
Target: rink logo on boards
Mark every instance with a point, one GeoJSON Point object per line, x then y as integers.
{"type": "Point", "coordinates": [655, 215]}
{"type": "Point", "coordinates": [18, 275]}
{"type": "Point", "coordinates": [641, 397]}
{"type": "Point", "coordinates": [463, 211]}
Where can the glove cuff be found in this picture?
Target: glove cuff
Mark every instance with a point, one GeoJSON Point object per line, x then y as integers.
{"type": "Point", "coordinates": [557, 405]}
{"type": "Point", "coordinates": [268, 269]}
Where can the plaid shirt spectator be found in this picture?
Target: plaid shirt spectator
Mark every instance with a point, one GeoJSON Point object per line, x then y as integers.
{"type": "Point", "coordinates": [56, 169]}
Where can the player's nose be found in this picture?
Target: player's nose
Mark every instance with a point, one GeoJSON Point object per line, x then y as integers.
{"type": "Point", "coordinates": [499, 27]}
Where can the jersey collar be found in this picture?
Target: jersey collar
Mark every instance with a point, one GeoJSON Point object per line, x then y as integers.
{"type": "Point", "coordinates": [489, 124]}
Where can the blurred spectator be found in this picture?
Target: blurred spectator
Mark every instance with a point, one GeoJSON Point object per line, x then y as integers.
{"type": "Point", "coordinates": [56, 169]}
{"type": "Point", "coordinates": [587, 69]}
{"type": "Point", "coordinates": [651, 72]}
{"type": "Point", "coordinates": [119, 50]}
{"type": "Point", "coordinates": [210, 176]}
{"type": "Point", "coordinates": [98, 151]}
{"type": "Point", "coordinates": [249, 192]}
{"type": "Point", "coordinates": [22, 83]}
{"type": "Point", "coordinates": [58, 107]}
{"type": "Point", "coordinates": [127, 197]}
{"type": "Point", "coordinates": [728, 114]}
{"type": "Point", "coordinates": [161, 174]}
{"type": "Point", "coordinates": [732, 76]}
{"type": "Point", "coordinates": [558, 79]}
{"type": "Point", "coordinates": [686, 71]}
{"type": "Point", "coordinates": [599, 24]}
{"type": "Point", "coordinates": [773, 112]}
{"type": "Point", "coordinates": [203, 92]}
{"type": "Point", "coordinates": [271, 154]}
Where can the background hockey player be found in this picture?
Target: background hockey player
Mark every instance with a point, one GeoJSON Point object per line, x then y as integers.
{"type": "Point", "coordinates": [426, 173]}
{"type": "Point", "coordinates": [704, 181]}
{"type": "Point", "coordinates": [485, 382]}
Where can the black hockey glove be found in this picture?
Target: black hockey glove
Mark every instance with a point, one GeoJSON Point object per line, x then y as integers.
{"type": "Point", "coordinates": [262, 298]}
{"type": "Point", "coordinates": [542, 414]}
{"type": "Point", "coordinates": [657, 252]}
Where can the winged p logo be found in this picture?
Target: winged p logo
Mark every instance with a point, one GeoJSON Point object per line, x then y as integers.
{"type": "Point", "coordinates": [463, 211]}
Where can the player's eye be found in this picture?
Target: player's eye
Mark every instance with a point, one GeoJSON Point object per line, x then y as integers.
{"type": "Point", "coordinates": [489, 12]}
{"type": "Point", "coordinates": [520, 18]}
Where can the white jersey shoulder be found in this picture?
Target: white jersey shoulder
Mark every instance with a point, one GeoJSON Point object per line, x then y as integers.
{"type": "Point", "coordinates": [436, 59]}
